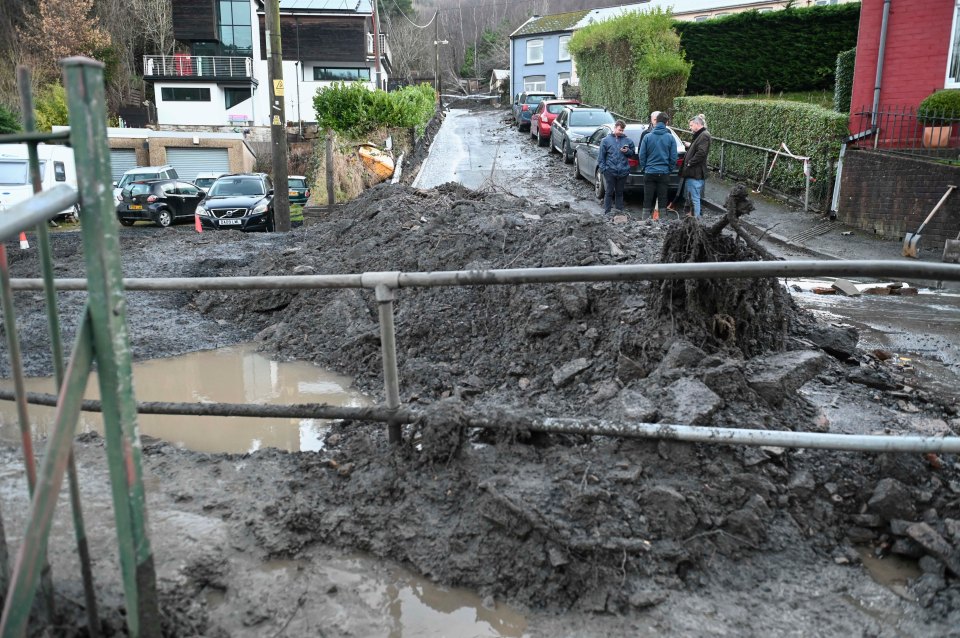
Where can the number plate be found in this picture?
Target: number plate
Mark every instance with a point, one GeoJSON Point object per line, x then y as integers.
{"type": "Point", "coordinates": [231, 222]}
{"type": "Point", "coordinates": [293, 193]}
{"type": "Point", "coordinates": [136, 207]}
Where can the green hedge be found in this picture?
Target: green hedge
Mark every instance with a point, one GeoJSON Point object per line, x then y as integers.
{"type": "Point", "coordinates": [354, 109]}
{"type": "Point", "coordinates": [631, 64]}
{"type": "Point", "coordinates": [843, 88]}
{"type": "Point", "coordinates": [806, 129]}
{"type": "Point", "coordinates": [751, 52]}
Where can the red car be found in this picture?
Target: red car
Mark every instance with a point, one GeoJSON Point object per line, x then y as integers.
{"type": "Point", "coordinates": [547, 111]}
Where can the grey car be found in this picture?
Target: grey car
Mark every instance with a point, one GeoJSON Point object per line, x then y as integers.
{"type": "Point", "coordinates": [574, 125]}
{"type": "Point", "coordinates": [585, 160]}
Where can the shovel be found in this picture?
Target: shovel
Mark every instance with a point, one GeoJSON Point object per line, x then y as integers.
{"type": "Point", "coordinates": [911, 240]}
{"type": "Point", "coordinates": [951, 250]}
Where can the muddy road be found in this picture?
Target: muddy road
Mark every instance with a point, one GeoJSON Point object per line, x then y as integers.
{"type": "Point", "coordinates": [542, 535]}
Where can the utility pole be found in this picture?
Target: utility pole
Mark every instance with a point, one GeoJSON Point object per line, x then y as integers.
{"type": "Point", "coordinates": [376, 42]}
{"type": "Point", "coordinates": [278, 118]}
{"type": "Point", "coordinates": [436, 44]}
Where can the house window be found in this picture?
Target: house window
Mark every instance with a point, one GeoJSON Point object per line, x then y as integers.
{"type": "Point", "coordinates": [236, 34]}
{"type": "Point", "coordinates": [953, 70]}
{"type": "Point", "coordinates": [701, 18]}
{"type": "Point", "coordinates": [564, 53]}
{"type": "Point", "coordinates": [233, 96]}
{"type": "Point", "coordinates": [59, 172]}
{"type": "Point", "coordinates": [561, 78]}
{"type": "Point", "coordinates": [821, 3]}
{"type": "Point", "coordinates": [183, 94]}
{"type": "Point", "coordinates": [534, 51]}
{"type": "Point", "coordinates": [535, 83]}
{"type": "Point", "coordinates": [332, 74]}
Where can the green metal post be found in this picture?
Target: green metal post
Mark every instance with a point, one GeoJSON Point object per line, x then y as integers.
{"type": "Point", "coordinates": [56, 346]}
{"type": "Point", "coordinates": [30, 557]}
{"type": "Point", "coordinates": [108, 311]}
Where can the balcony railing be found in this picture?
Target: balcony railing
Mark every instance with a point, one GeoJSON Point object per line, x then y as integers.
{"type": "Point", "coordinates": [203, 66]}
{"type": "Point", "coordinates": [384, 46]}
{"type": "Point", "coordinates": [903, 130]}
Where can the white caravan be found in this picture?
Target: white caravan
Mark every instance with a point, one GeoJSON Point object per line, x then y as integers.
{"type": "Point", "coordinates": [56, 167]}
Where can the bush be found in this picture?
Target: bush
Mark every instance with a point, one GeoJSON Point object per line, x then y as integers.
{"type": "Point", "coordinates": [354, 110]}
{"type": "Point", "coordinates": [9, 121]}
{"type": "Point", "coordinates": [631, 64]}
{"type": "Point", "coordinates": [843, 87]}
{"type": "Point", "coordinates": [751, 52]}
{"type": "Point", "coordinates": [939, 106]}
{"type": "Point", "coordinates": [51, 107]}
{"type": "Point", "coordinates": [807, 130]}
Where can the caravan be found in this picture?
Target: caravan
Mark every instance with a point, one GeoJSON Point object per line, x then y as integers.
{"type": "Point", "coordinates": [56, 167]}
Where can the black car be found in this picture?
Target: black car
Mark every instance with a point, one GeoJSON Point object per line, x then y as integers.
{"type": "Point", "coordinates": [243, 201]}
{"type": "Point", "coordinates": [161, 201]}
{"type": "Point", "coordinates": [585, 160]}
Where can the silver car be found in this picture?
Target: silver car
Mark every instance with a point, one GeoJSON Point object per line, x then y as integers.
{"type": "Point", "coordinates": [574, 125]}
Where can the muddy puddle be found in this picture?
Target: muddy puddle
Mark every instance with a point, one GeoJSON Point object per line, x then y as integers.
{"type": "Point", "coordinates": [236, 374]}
{"type": "Point", "coordinates": [893, 572]}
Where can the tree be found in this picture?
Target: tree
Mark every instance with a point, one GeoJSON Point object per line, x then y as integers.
{"type": "Point", "coordinates": [51, 107]}
{"type": "Point", "coordinates": [9, 121]}
{"type": "Point", "coordinates": [394, 8]}
{"type": "Point", "coordinates": [62, 28]}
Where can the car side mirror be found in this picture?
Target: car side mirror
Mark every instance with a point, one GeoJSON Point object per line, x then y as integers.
{"type": "Point", "coordinates": [114, 184]}
{"type": "Point", "coordinates": [269, 191]}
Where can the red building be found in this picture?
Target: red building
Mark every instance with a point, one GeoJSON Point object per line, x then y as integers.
{"type": "Point", "coordinates": [921, 53]}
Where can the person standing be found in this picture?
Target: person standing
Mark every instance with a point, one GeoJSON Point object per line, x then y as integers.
{"type": "Point", "coordinates": [694, 168]}
{"type": "Point", "coordinates": [658, 155]}
{"type": "Point", "coordinates": [615, 149]}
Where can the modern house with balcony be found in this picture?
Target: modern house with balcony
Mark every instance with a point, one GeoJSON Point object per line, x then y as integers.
{"type": "Point", "coordinates": [218, 76]}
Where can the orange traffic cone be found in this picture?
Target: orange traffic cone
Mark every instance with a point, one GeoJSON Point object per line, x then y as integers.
{"type": "Point", "coordinates": [24, 244]}
{"type": "Point", "coordinates": [197, 223]}
{"type": "Point", "coordinates": [656, 214]}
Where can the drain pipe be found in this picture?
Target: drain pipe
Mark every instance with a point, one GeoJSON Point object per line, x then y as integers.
{"type": "Point", "coordinates": [883, 48]}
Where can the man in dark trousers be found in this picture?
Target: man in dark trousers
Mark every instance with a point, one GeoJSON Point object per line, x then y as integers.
{"type": "Point", "coordinates": [615, 149]}
{"type": "Point", "coordinates": [658, 156]}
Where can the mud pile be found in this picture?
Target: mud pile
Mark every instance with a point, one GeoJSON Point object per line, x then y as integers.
{"type": "Point", "coordinates": [594, 524]}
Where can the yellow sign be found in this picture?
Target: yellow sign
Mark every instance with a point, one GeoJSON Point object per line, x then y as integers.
{"type": "Point", "coordinates": [276, 120]}
{"type": "Point", "coordinates": [278, 87]}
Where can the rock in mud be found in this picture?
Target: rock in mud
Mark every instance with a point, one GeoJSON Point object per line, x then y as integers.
{"type": "Point", "coordinates": [775, 376]}
{"type": "Point", "coordinates": [566, 373]}
{"type": "Point", "coordinates": [839, 341]}
{"type": "Point", "coordinates": [637, 406]}
{"type": "Point", "coordinates": [892, 499]}
{"type": "Point", "coordinates": [688, 402]}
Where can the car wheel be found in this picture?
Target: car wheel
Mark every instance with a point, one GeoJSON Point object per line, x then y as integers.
{"type": "Point", "coordinates": [164, 218]}
{"type": "Point", "coordinates": [576, 167]}
{"type": "Point", "coordinates": [567, 157]}
{"type": "Point", "coordinates": [520, 126]}
{"type": "Point", "coordinates": [126, 222]}
{"type": "Point", "coordinates": [599, 188]}
{"type": "Point", "coordinates": [553, 149]}
{"type": "Point", "coordinates": [270, 224]}
{"type": "Point", "coordinates": [540, 140]}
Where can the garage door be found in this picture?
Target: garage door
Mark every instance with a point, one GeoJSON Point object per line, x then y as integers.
{"type": "Point", "coordinates": [190, 161]}
{"type": "Point", "coordinates": [121, 161]}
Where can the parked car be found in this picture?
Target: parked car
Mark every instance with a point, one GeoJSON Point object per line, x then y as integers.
{"type": "Point", "coordinates": [298, 191]}
{"type": "Point", "coordinates": [205, 180]}
{"type": "Point", "coordinates": [162, 202]}
{"type": "Point", "coordinates": [525, 103]}
{"type": "Point", "coordinates": [574, 125]}
{"type": "Point", "coordinates": [143, 173]}
{"type": "Point", "coordinates": [585, 160]}
{"type": "Point", "coordinates": [243, 201]}
{"type": "Point", "coordinates": [547, 111]}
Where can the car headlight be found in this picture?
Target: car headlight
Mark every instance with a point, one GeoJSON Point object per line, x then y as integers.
{"type": "Point", "coordinates": [260, 208]}
{"type": "Point", "coordinates": [203, 212]}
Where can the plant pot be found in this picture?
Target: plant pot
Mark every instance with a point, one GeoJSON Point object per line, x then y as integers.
{"type": "Point", "coordinates": [936, 136]}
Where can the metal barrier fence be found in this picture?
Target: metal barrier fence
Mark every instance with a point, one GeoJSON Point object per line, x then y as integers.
{"type": "Point", "coordinates": [931, 134]}
{"type": "Point", "coordinates": [102, 338]}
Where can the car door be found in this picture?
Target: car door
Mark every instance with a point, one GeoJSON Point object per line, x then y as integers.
{"type": "Point", "coordinates": [172, 198]}
{"type": "Point", "coordinates": [556, 129]}
{"type": "Point", "coordinates": [516, 107]}
{"type": "Point", "coordinates": [189, 196]}
{"type": "Point", "coordinates": [590, 151]}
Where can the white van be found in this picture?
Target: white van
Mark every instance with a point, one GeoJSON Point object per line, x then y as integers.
{"type": "Point", "coordinates": [56, 167]}
{"type": "Point", "coordinates": [140, 174]}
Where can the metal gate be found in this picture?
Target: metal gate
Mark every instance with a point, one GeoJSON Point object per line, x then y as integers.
{"type": "Point", "coordinates": [190, 161]}
{"type": "Point", "coordinates": [121, 161]}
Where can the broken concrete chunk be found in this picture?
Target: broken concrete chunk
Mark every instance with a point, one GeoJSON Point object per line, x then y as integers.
{"type": "Point", "coordinates": [682, 354]}
{"type": "Point", "coordinates": [845, 287]}
{"type": "Point", "coordinates": [688, 401]}
{"type": "Point", "coordinates": [773, 377]}
{"type": "Point", "coordinates": [802, 484]}
{"type": "Point", "coordinates": [935, 545]}
{"type": "Point", "coordinates": [573, 298]}
{"type": "Point", "coordinates": [566, 373]}
{"type": "Point", "coordinates": [615, 250]}
{"type": "Point", "coordinates": [637, 406]}
{"type": "Point", "coordinates": [892, 499]}
{"type": "Point", "coordinates": [839, 341]}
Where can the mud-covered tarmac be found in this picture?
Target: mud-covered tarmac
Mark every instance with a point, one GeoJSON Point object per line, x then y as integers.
{"type": "Point", "coordinates": [586, 536]}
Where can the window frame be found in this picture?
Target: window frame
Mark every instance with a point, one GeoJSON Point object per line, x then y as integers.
{"type": "Point", "coordinates": [534, 87]}
{"type": "Point", "coordinates": [563, 42]}
{"type": "Point", "coordinates": [59, 171]}
{"type": "Point", "coordinates": [168, 93]}
{"type": "Point", "coordinates": [529, 47]}
{"type": "Point", "coordinates": [228, 90]}
{"type": "Point", "coordinates": [317, 70]}
{"type": "Point", "coordinates": [953, 51]}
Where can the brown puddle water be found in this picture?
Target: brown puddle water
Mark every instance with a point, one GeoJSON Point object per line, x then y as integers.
{"type": "Point", "coordinates": [893, 572]}
{"type": "Point", "coordinates": [236, 374]}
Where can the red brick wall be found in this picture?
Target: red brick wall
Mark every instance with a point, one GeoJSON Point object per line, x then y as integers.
{"type": "Point", "coordinates": [891, 195]}
{"type": "Point", "coordinates": [915, 59]}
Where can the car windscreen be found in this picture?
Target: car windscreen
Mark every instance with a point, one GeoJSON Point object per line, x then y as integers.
{"type": "Point", "coordinates": [556, 108]}
{"type": "Point", "coordinates": [590, 118]}
{"type": "Point", "coordinates": [296, 183]}
{"type": "Point", "coordinates": [536, 99]}
{"type": "Point", "coordinates": [204, 182]}
{"type": "Point", "coordinates": [17, 171]}
{"type": "Point", "coordinates": [235, 187]}
{"type": "Point", "coordinates": [136, 177]}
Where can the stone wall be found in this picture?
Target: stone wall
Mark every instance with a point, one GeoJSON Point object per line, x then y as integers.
{"type": "Point", "coordinates": [891, 195]}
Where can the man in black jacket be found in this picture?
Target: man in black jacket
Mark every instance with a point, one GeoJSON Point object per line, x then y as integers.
{"type": "Point", "coordinates": [694, 169]}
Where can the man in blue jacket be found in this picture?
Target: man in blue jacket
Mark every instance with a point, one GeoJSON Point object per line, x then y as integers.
{"type": "Point", "coordinates": [658, 156]}
{"type": "Point", "coordinates": [615, 149]}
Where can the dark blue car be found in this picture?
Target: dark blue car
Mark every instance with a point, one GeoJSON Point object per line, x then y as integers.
{"type": "Point", "coordinates": [525, 104]}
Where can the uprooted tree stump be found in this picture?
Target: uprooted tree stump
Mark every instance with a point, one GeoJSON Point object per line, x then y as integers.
{"type": "Point", "coordinates": [752, 315]}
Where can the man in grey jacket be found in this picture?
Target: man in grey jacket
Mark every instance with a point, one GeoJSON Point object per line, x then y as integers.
{"type": "Point", "coordinates": [658, 156]}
